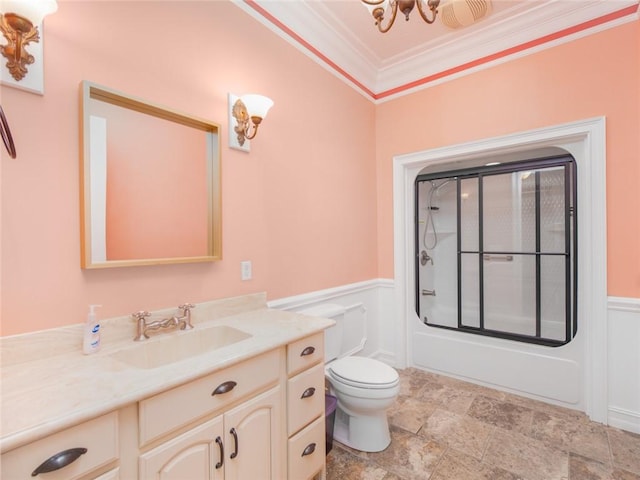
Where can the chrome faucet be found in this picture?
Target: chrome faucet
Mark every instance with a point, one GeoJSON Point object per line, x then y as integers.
{"type": "Point", "coordinates": [183, 322]}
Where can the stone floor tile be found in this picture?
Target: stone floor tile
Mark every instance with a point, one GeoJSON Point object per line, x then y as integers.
{"type": "Point", "coordinates": [625, 450]}
{"type": "Point", "coordinates": [539, 406]}
{"type": "Point", "coordinates": [501, 414]}
{"type": "Point", "coordinates": [413, 380]}
{"type": "Point", "coordinates": [445, 397]}
{"type": "Point", "coordinates": [409, 456]}
{"type": "Point", "coordinates": [342, 465]}
{"type": "Point", "coordinates": [582, 468]}
{"type": "Point", "coordinates": [525, 456]}
{"type": "Point", "coordinates": [456, 465]}
{"type": "Point", "coordinates": [588, 439]}
{"type": "Point", "coordinates": [458, 431]}
{"type": "Point", "coordinates": [409, 413]}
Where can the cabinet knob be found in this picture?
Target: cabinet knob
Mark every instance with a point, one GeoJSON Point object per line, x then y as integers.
{"type": "Point", "coordinates": [59, 460]}
{"type": "Point", "coordinates": [224, 388]}
{"type": "Point", "coordinates": [308, 392]}
{"type": "Point", "coordinates": [307, 351]}
{"type": "Point", "coordinates": [309, 449]}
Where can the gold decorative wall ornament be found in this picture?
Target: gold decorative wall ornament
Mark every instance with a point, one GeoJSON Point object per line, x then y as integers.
{"type": "Point", "coordinates": [248, 112]}
{"type": "Point", "coordinates": [19, 25]}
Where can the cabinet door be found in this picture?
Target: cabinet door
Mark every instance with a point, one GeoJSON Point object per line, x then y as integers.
{"type": "Point", "coordinates": [254, 439]}
{"type": "Point", "coordinates": [193, 455]}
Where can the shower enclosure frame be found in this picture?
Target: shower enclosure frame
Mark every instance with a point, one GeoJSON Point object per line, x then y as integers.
{"type": "Point", "coordinates": [565, 161]}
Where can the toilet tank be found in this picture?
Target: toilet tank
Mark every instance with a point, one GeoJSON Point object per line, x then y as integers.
{"type": "Point", "coordinates": [333, 336]}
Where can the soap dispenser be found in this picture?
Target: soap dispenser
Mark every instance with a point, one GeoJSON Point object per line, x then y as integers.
{"type": "Point", "coordinates": [91, 341]}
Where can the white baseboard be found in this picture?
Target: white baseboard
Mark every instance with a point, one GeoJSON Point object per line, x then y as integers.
{"type": "Point", "coordinates": [624, 419]}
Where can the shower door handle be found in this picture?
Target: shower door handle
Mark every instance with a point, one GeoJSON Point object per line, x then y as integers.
{"type": "Point", "coordinates": [429, 293]}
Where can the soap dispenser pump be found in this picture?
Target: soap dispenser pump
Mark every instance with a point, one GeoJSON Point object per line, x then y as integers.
{"type": "Point", "coordinates": [91, 341]}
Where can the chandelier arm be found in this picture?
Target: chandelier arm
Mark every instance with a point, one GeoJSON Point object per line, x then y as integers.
{"type": "Point", "coordinates": [394, 12]}
{"type": "Point", "coordinates": [373, 3]}
{"type": "Point", "coordinates": [433, 7]}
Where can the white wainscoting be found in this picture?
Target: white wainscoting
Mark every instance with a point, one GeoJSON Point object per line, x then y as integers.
{"type": "Point", "coordinates": [624, 363]}
{"type": "Point", "coordinates": [375, 299]}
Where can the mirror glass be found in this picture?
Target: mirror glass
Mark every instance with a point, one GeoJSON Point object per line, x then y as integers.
{"type": "Point", "coordinates": [150, 183]}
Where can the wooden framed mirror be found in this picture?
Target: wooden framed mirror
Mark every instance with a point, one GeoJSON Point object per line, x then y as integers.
{"type": "Point", "coordinates": [149, 183]}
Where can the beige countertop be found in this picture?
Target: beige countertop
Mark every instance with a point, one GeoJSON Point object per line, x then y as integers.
{"type": "Point", "coordinates": [48, 384]}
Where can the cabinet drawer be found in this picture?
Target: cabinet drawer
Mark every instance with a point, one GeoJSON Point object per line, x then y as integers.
{"type": "Point", "coordinates": [305, 398]}
{"type": "Point", "coordinates": [306, 451]}
{"type": "Point", "coordinates": [98, 436]}
{"type": "Point", "coordinates": [305, 353]}
{"type": "Point", "coordinates": [179, 406]}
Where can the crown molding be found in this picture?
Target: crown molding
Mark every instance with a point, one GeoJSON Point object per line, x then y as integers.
{"type": "Point", "coordinates": [519, 31]}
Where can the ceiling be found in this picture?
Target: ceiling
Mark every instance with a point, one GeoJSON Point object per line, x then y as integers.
{"type": "Point", "coordinates": [341, 35]}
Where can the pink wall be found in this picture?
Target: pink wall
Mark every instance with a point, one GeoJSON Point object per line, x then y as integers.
{"type": "Point", "coordinates": [295, 206]}
{"type": "Point", "coordinates": [311, 205]}
{"type": "Point", "coordinates": [594, 76]}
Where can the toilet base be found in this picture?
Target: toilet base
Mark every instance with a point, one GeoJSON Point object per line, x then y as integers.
{"type": "Point", "coordinates": [364, 433]}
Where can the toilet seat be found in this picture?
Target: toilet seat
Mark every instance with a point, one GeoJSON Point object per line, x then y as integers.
{"type": "Point", "coordinates": [363, 372]}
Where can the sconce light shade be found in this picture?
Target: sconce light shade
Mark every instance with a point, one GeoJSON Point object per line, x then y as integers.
{"type": "Point", "coordinates": [257, 105]}
{"type": "Point", "coordinates": [19, 22]}
{"type": "Point", "coordinates": [245, 115]}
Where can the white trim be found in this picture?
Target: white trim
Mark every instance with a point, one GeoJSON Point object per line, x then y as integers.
{"type": "Point", "coordinates": [587, 138]}
{"type": "Point", "coordinates": [624, 304]}
{"type": "Point", "coordinates": [624, 419]}
{"type": "Point", "coordinates": [363, 69]}
{"type": "Point", "coordinates": [623, 363]}
{"type": "Point", "coordinates": [318, 296]}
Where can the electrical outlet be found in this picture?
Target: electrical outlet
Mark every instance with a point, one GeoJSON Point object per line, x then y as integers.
{"type": "Point", "coordinates": [245, 270]}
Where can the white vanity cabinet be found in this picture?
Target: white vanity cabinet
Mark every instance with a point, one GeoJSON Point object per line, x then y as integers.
{"type": "Point", "coordinates": [305, 408]}
{"type": "Point", "coordinates": [258, 415]}
{"type": "Point", "coordinates": [67, 455]}
{"type": "Point", "coordinates": [233, 421]}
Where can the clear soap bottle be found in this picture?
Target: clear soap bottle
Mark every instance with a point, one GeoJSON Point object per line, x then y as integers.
{"type": "Point", "coordinates": [91, 340]}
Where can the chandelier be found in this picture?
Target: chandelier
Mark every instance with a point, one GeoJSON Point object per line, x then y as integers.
{"type": "Point", "coordinates": [378, 7]}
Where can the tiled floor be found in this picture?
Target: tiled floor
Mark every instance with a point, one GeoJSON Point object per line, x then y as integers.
{"type": "Point", "coordinates": [445, 429]}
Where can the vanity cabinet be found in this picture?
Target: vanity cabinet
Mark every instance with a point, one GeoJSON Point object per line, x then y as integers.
{"type": "Point", "coordinates": [74, 453]}
{"type": "Point", "coordinates": [305, 408]}
{"type": "Point", "coordinates": [244, 438]}
{"type": "Point", "coordinates": [261, 418]}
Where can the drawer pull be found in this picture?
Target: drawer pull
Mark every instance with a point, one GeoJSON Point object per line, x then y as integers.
{"type": "Point", "coordinates": [235, 439]}
{"type": "Point", "coordinates": [309, 449]}
{"type": "Point", "coordinates": [308, 392]}
{"type": "Point", "coordinates": [307, 351]}
{"type": "Point", "coordinates": [59, 460]}
{"type": "Point", "coordinates": [224, 388]}
{"type": "Point", "coordinates": [221, 446]}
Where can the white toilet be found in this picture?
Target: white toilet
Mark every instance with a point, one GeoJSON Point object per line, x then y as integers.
{"type": "Point", "coordinates": [365, 388]}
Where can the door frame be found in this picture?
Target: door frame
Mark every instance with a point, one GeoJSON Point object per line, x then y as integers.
{"type": "Point", "coordinates": [585, 140]}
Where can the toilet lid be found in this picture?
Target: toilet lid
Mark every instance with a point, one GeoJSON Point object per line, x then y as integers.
{"type": "Point", "coordinates": [364, 372]}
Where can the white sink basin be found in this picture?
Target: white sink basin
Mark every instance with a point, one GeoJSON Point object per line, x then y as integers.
{"type": "Point", "coordinates": [171, 347]}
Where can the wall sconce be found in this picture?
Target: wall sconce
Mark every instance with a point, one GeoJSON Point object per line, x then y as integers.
{"type": "Point", "coordinates": [19, 26]}
{"type": "Point", "coordinates": [245, 114]}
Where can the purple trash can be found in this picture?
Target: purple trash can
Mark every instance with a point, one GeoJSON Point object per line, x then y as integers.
{"type": "Point", "coordinates": [330, 404]}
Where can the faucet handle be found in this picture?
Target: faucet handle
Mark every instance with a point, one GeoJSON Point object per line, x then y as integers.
{"type": "Point", "coordinates": [186, 315]}
{"type": "Point", "coordinates": [141, 315]}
